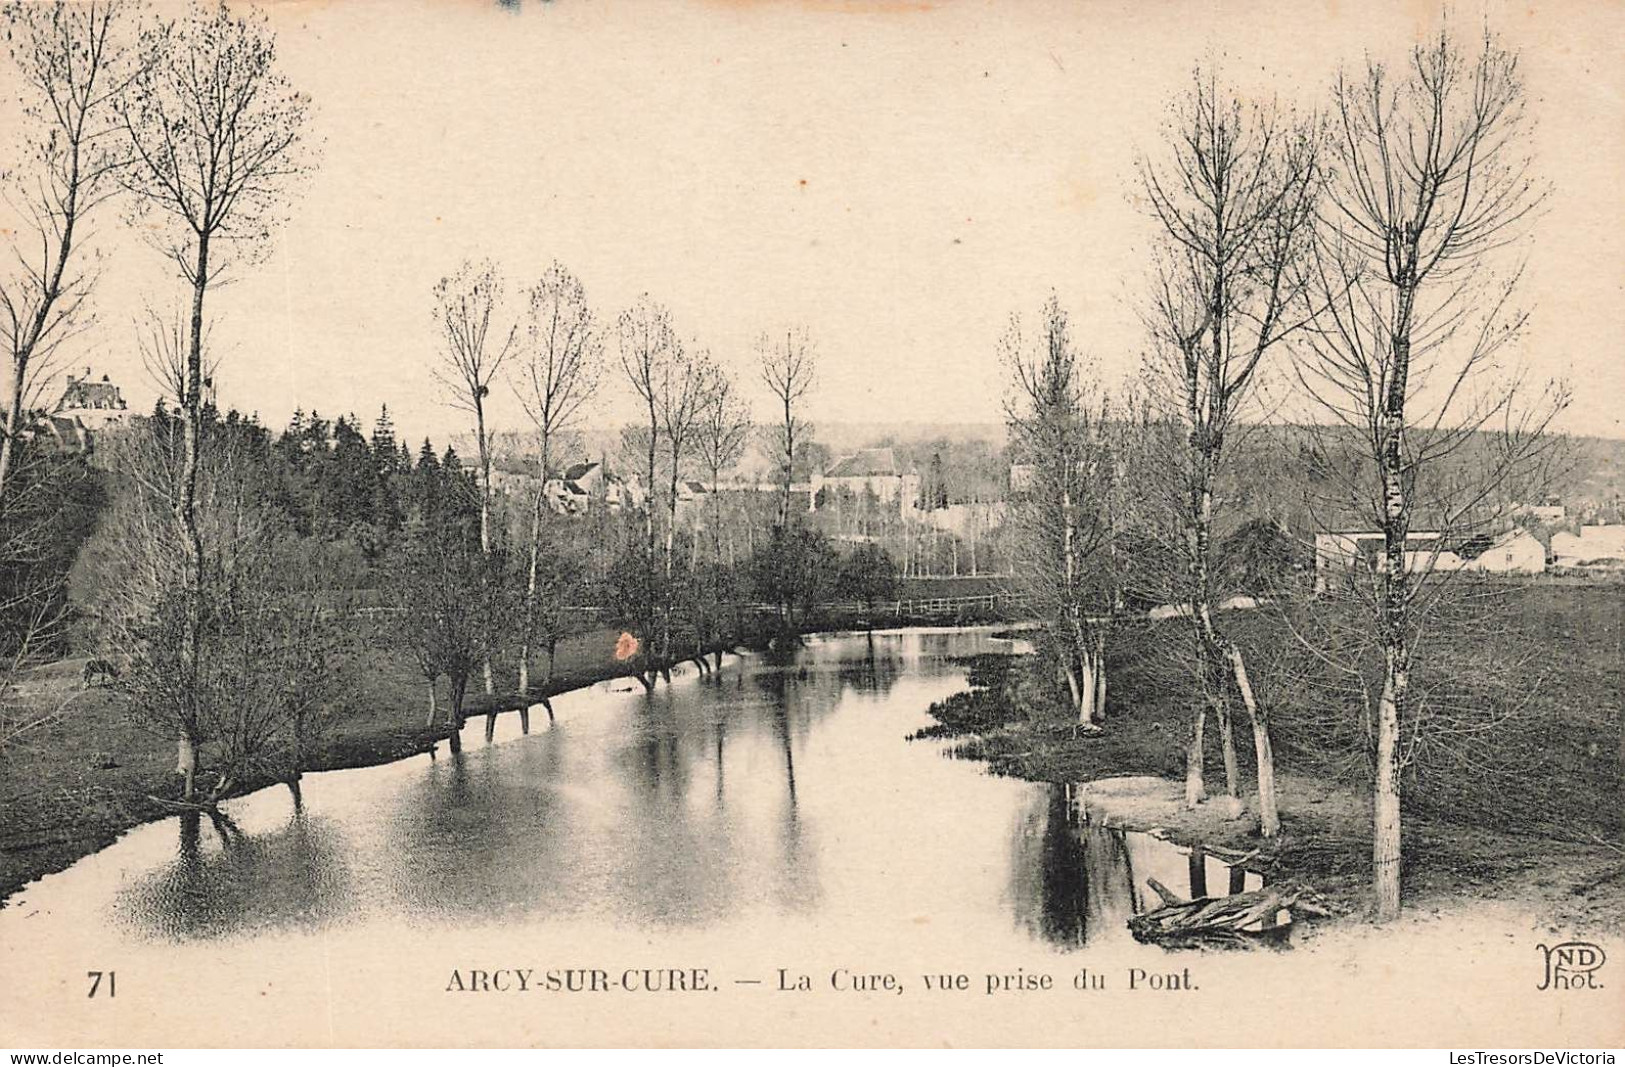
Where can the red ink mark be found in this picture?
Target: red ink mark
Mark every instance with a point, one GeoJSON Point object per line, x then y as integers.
{"type": "Point", "coordinates": [626, 646]}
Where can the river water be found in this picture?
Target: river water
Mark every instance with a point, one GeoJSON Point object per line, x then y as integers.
{"type": "Point", "coordinates": [769, 824]}
{"type": "Point", "coordinates": [766, 794]}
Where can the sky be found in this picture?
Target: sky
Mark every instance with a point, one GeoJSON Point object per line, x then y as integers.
{"type": "Point", "coordinates": [899, 177]}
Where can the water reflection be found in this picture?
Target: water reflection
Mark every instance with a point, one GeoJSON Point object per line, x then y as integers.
{"type": "Point", "coordinates": [1075, 884]}
{"type": "Point", "coordinates": [766, 793]}
{"type": "Point", "coordinates": [1078, 880]}
{"type": "Point", "coordinates": [224, 882]}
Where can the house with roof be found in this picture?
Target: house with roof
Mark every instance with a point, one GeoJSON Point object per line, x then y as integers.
{"type": "Point", "coordinates": [93, 403]}
{"type": "Point", "coordinates": [1592, 546]}
{"type": "Point", "coordinates": [1517, 551]}
{"type": "Point", "coordinates": [1361, 551]}
{"type": "Point", "coordinates": [582, 487]}
{"type": "Point", "coordinates": [873, 471]}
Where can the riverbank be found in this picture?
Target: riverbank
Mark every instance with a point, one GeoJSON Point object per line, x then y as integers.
{"type": "Point", "coordinates": [1570, 872]}
{"type": "Point", "coordinates": [71, 788]}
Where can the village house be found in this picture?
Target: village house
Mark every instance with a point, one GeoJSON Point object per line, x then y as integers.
{"type": "Point", "coordinates": [583, 487]}
{"type": "Point", "coordinates": [872, 471]}
{"type": "Point", "coordinates": [1593, 546]}
{"type": "Point", "coordinates": [1337, 553]}
{"type": "Point", "coordinates": [1515, 552]}
{"type": "Point", "coordinates": [94, 404]}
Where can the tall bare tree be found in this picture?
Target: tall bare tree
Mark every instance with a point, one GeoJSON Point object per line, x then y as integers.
{"type": "Point", "coordinates": [652, 358]}
{"type": "Point", "coordinates": [216, 133]}
{"type": "Point", "coordinates": [74, 63]}
{"type": "Point", "coordinates": [562, 352]}
{"type": "Point", "coordinates": [789, 367]}
{"type": "Point", "coordinates": [1234, 201]}
{"type": "Point", "coordinates": [1433, 179]}
{"type": "Point", "coordinates": [724, 431]}
{"type": "Point", "coordinates": [683, 401]}
{"type": "Point", "coordinates": [1061, 523]}
{"type": "Point", "coordinates": [471, 355]}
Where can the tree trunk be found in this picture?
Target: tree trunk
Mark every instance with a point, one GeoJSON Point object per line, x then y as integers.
{"type": "Point", "coordinates": [434, 706]}
{"type": "Point", "coordinates": [1227, 740]}
{"type": "Point", "coordinates": [1195, 789]}
{"type": "Point", "coordinates": [1269, 819]}
{"type": "Point", "coordinates": [1385, 851]}
{"type": "Point", "coordinates": [186, 507]}
{"type": "Point", "coordinates": [485, 510]}
{"type": "Point", "coordinates": [538, 504]}
{"type": "Point", "coordinates": [14, 421]}
{"type": "Point", "coordinates": [1072, 684]}
{"type": "Point", "coordinates": [1086, 688]}
{"type": "Point", "coordinates": [186, 765]}
{"type": "Point", "coordinates": [1393, 609]}
{"type": "Point", "coordinates": [459, 688]}
{"type": "Point", "coordinates": [1100, 676]}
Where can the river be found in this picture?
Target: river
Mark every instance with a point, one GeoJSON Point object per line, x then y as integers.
{"type": "Point", "coordinates": [770, 824]}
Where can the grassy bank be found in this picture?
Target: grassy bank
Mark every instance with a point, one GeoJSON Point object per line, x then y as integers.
{"type": "Point", "coordinates": [1538, 820]}
{"type": "Point", "coordinates": [71, 788]}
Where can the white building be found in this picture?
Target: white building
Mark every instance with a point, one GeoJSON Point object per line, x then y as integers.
{"type": "Point", "coordinates": [1515, 552]}
{"type": "Point", "coordinates": [1591, 546]}
{"type": "Point", "coordinates": [874, 470]}
{"type": "Point", "coordinates": [1338, 553]}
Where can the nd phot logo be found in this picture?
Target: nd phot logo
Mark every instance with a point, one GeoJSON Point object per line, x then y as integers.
{"type": "Point", "coordinates": [1572, 965]}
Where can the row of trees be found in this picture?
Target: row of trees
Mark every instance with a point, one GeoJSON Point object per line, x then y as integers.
{"type": "Point", "coordinates": [1352, 269]}
{"type": "Point", "coordinates": [693, 422]}
{"type": "Point", "coordinates": [190, 125]}
{"type": "Point", "coordinates": [230, 558]}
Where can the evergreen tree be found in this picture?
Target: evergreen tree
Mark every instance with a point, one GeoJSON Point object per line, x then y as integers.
{"type": "Point", "coordinates": [385, 456]}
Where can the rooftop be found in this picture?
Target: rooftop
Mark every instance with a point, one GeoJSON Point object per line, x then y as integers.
{"type": "Point", "coordinates": [870, 463]}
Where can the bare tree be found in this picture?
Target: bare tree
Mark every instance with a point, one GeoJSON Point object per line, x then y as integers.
{"type": "Point", "coordinates": [245, 672]}
{"type": "Point", "coordinates": [215, 133]}
{"type": "Point", "coordinates": [1061, 522]}
{"type": "Point", "coordinates": [1234, 201]}
{"type": "Point", "coordinates": [789, 367]}
{"type": "Point", "coordinates": [652, 358]}
{"type": "Point", "coordinates": [470, 357]}
{"type": "Point", "coordinates": [73, 63]}
{"type": "Point", "coordinates": [724, 431]}
{"type": "Point", "coordinates": [1415, 316]}
{"type": "Point", "coordinates": [562, 351]}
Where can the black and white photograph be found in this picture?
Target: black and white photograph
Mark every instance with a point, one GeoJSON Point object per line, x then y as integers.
{"type": "Point", "coordinates": [812, 523]}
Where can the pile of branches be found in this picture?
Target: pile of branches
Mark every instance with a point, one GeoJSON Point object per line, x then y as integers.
{"type": "Point", "coordinates": [1239, 920]}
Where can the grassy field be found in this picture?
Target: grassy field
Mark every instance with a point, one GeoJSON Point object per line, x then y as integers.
{"type": "Point", "coordinates": [1537, 813]}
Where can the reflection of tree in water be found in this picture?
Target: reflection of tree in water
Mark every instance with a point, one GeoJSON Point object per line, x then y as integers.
{"type": "Point", "coordinates": [1073, 884]}
{"type": "Point", "coordinates": [480, 832]}
{"type": "Point", "coordinates": [872, 668]}
{"type": "Point", "coordinates": [294, 876]}
{"type": "Point", "coordinates": [791, 700]}
{"type": "Point", "coordinates": [675, 863]}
